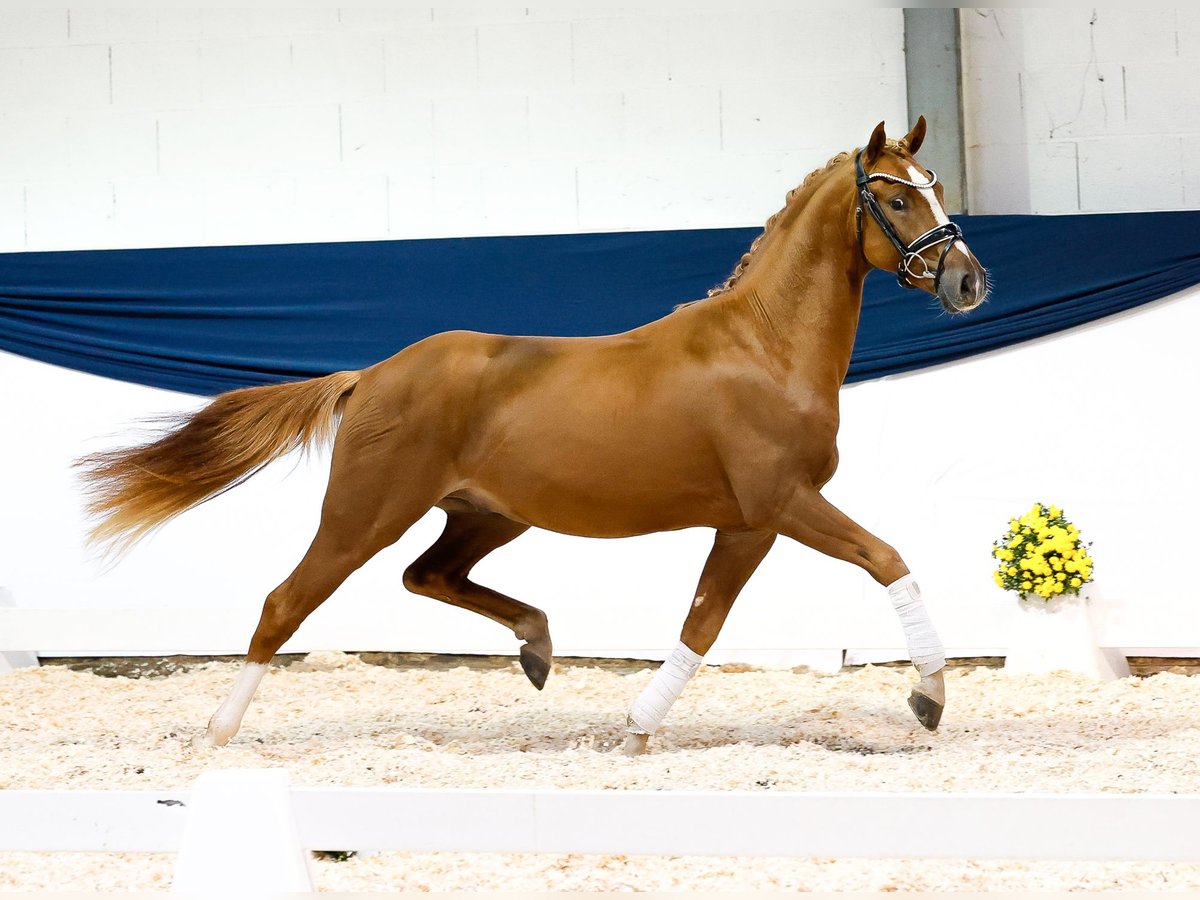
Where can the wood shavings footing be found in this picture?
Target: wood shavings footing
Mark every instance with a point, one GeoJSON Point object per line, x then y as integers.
{"type": "Point", "coordinates": [332, 719]}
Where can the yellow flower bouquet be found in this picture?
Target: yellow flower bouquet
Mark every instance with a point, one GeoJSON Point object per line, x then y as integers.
{"type": "Point", "coordinates": [1041, 555]}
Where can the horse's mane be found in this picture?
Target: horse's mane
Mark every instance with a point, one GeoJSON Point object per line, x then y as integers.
{"type": "Point", "coordinates": [812, 176]}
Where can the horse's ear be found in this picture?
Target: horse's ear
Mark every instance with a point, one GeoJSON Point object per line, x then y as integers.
{"type": "Point", "coordinates": [875, 144]}
{"type": "Point", "coordinates": [912, 140]}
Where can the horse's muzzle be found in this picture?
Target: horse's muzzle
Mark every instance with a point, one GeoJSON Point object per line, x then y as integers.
{"type": "Point", "coordinates": [963, 285]}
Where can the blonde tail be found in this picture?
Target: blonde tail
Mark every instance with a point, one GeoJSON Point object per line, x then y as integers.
{"type": "Point", "coordinates": [134, 490]}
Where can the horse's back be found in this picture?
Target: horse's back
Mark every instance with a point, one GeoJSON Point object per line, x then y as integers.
{"type": "Point", "coordinates": [584, 435]}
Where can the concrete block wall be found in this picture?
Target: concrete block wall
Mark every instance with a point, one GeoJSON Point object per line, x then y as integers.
{"type": "Point", "coordinates": [1082, 109]}
{"type": "Point", "coordinates": [163, 127]}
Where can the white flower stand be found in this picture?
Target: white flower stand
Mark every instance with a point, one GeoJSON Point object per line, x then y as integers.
{"type": "Point", "coordinates": [1058, 634]}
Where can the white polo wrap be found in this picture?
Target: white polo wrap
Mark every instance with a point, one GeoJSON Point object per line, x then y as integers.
{"type": "Point", "coordinates": [664, 689]}
{"type": "Point", "coordinates": [924, 647]}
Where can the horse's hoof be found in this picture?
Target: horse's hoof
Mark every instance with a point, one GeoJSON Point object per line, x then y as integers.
{"type": "Point", "coordinates": [205, 742]}
{"type": "Point", "coordinates": [635, 744]}
{"type": "Point", "coordinates": [927, 710]}
{"type": "Point", "coordinates": [535, 660]}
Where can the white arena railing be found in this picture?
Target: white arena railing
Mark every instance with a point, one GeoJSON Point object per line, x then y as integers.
{"type": "Point", "coordinates": [250, 827]}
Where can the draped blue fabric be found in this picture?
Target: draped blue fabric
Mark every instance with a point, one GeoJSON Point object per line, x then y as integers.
{"type": "Point", "coordinates": [208, 319]}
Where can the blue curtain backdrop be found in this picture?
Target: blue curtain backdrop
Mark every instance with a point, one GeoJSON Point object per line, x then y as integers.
{"type": "Point", "coordinates": [208, 319]}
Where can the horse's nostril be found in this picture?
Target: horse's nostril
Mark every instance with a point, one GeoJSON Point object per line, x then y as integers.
{"type": "Point", "coordinates": [967, 288]}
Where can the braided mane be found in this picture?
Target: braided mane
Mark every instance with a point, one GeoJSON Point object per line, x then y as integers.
{"type": "Point", "coordinates": [740, 268]}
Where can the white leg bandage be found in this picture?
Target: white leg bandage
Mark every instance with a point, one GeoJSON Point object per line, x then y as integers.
{"type": "Point", "coordinates": [664, 689]}
{"type": "Point", "coordinates": [228, 717]}
{"type": "Point", "coordinates": [924, 647]}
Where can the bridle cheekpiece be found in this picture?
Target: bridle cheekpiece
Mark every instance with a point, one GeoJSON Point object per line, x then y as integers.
{"type": "Point", "coordinates": [910, 254]}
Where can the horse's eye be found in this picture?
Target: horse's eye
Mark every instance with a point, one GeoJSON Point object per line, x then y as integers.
{"type": "Point", "coordinates": [897, 203]}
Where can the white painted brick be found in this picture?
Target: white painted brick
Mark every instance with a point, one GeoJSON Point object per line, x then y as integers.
{"type": "Point", "coordinates": [699, 192]}
{"type": "Point", "coordinates": [1163, 98]}
{"type": "Point", "coordinates": [456, 206]}
{"type": "Point", "coordinates": [992, 107]}
{"type": "Point", "coordinates": [777, 45]}
{"type": "Point", "coordinates": [528, 198]}
{"type": "Point", "coordinates": [69, 215]}
{"type": "Point", "coordinates": [575, 125]}
{"type": "Point", "coordinates": [998, 179]}
{"type": "Point", "coordinates": [525, 57]}
{"type": "Point", "coordinates": [34, 145]}
{"type": "Point", "coordinates": [620, 53]}
{"type": "Point", "coordinates": [709, 50]}
{"type": "Point", "coordinates": [672, 120]}
{"type": "Point", "coordinates": [410, 201]}
{"type": "Point", "coordinates": [1137, 34]}
{"type": "Point", "coordinates": [159, 212]}
{"type": "Point", "coordinates": [479, 126]}
{"type": "Point", "coordinates": [32, 27]}
{"type": "Point", "coordinates": [250, 210]}
{"type": "Point", "coordinates": [341, 67]}
{"type": "Point", "coordinates": [246, 71]}
{"type": "Point", "coordinates": [829, 114]}
{"type": "Point", "coordinates": [59, 77]}
{"type": "Point", "coordinates": [271, 139]}
{"type": "Point", "coordinates": [156, 75]}
{"type": "Point", "coordinates": [991, 39]}
{"type": "Point", "coordinates": [1053, 36]}
{"type": "Point", "coordinates": [182, 24]}
{"type": "Point", "coordinates": [1073, 101]}
{"type": "Point", "coordinates": [1191, 171]}
{"type": "Point", "coordinates": [1054, 189]}
{"type": "Point", "coordinates": [344, 206]}
{"type": "Point", "coordinates": [107, 143]}
{"type": "Point", "coordinates": [268, 21]}
{"type": "Point", "coordinates": [1126, 174]}
{"type": "Point", "coordinates": [432, 59]}
{"type": "Point", "coordinates": [378, 134]}
{"type": "Point", "coordinates": [12, 217]}
{"type": "Point", "coordinates": [379, 21]}
{"type": "Point", "coordinates": [1187, 32]}
{"type": "Point", "coordinates": [489, 13]}
{"type": "Point", "coordinates": [755, 118]}
{"type": "Point", "coordinates": [106, 26]}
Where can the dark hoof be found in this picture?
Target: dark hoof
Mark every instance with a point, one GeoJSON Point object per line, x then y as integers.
{"type": "Point", "coordinates": [535, 660]}
{"type": "Point", "coordinates": [927, 711]}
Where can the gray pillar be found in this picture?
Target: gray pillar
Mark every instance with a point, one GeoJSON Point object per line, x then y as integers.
{"type": "Point", "coordinates": [933, 64]}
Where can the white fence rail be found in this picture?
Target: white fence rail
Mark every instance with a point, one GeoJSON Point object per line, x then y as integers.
{"type": "Point", "coordinates": [280, 821]}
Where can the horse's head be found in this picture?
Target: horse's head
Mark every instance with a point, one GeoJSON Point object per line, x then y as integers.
{"type": "Point", "coordinates": [903, 227]}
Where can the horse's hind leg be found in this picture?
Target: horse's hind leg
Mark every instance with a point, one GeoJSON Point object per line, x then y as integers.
{"type": "Point", "coordinates": [441, 572]}
{"type": "Point", "coordinates": [731, 562]}
{"type": "Point", "coordinates": [366, 508]}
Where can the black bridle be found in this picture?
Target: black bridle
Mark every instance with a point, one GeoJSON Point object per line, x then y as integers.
{"type": "Point", "coordinates": [909, 253]}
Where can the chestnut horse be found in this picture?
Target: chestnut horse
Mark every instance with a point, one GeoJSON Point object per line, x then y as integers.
{"type": "Point", "coordinates": [723, 414]}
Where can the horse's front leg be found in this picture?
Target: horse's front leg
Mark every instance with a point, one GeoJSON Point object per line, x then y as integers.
{"type": "Point", "coordinates": [731, 562]}
{"type": "Point", "coordinates": [811, 519]}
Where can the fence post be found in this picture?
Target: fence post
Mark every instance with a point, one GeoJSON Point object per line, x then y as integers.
{"type": "Point", "coordinates": [241, 838]}
{"type": "Point", "coordinates": [14, 659]}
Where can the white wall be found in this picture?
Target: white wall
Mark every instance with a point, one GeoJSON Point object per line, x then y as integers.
{"type": "Point", "coordinates": [1082, 109]}
{"type": "Point", "coordinates": [144, 127]}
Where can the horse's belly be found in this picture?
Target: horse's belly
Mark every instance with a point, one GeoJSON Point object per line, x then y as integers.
{"type": "Point", "coordinates": [598, 507]}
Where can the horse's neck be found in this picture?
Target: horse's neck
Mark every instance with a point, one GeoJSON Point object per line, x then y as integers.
{"type": "Point", "coordinates": [803, 294]}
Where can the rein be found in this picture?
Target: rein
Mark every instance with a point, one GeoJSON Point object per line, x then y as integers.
{"type": "Point", "coordinates": [909, 253]}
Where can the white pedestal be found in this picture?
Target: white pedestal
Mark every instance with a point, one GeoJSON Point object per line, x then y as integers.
{"type": "Point", "coordinates": [1058, 634]}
